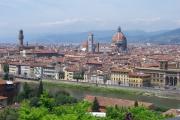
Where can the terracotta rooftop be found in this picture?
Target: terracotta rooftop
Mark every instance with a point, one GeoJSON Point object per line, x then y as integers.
{"type": "Point", "coordinates": [105, 101]}
{"type": "Point", "coordinates": [138, 74]}
{"type": "Point", "coordinates": [120, 70]}
{"type": "Point", "coordinates": [3, 98]}
{"type": "Point", "coordinates": [118, 37]}
{"type": "Point", "coordinates": [175, 112]}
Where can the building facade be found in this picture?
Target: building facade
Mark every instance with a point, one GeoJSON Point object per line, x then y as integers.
{"type": "Point", "coordinates": [120, 76]}
{"type": "Point", "coordinates": [139, 80]}
{"type": "Point", "coordinates": [163, 76]}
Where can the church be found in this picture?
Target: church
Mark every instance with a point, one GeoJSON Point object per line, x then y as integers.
{"type": "Point", "coordinates": [119, 41]}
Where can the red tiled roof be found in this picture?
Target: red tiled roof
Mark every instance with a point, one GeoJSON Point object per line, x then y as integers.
{"type": "Point", "coordinates": [175, 112]}
{"type": "Point", "coordinates": [141, 75]}
{"type": "Point", "coordinates": [105, 101]}
{"type": "Point", "coordinates": [71, 69]}
{"type": "Point", "coordinates": [3, 98]}
{"type": "Point", "coordinates": [118, 37]}
{"type": "Point", "coordinates": [94, 62]}
{"type": "Point", "coordinates": [120, 70]}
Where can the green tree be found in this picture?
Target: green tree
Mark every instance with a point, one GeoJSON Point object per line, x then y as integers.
{"type": "Point", "coordinates": [135, 113]}
{"type": "Point", "coordinates": [40, 89]}
{"type": "Point", "coordinates": [79, 75]}
{"type": "Point", "coordinates": [47, 101]}
{"type": "Point", "coordinates": [136, 104]}
{"type": "Point", "coordinates": [26, 93]}
{"type": "Point", "coordinates": [9, 114]}
{"type": "Point", "coordinates": [62, 98]}
{"type": "Point", "coordinates": [26, 112]}
{"type": "Point", "coordinates": [106, 78]}
{"type": "Point", "coordinates": [61, 75]}
{"type": "Point", "coordinates": [6, 72]}
{"type": "Point", "coordinates": [76, 111]}
{"type": "Point", "coordinates": [34, 101]}
{"type": "Point", "coordinates": [6, 76]}
{"type": "Point", "coordinates": [6, 68]}
{"type": "Point", "coordinates": [95, 105]}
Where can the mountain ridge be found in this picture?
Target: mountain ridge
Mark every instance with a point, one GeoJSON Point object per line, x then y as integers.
{"type": "Point", "coordinates": [104, 36]}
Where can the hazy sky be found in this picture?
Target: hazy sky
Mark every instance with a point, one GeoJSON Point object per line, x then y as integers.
{"type": "Point", "coordinates": [38, 16]}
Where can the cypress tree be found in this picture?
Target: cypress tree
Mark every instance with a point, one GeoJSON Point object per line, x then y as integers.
{"type": "Point", "coordinates": [95, 106]}
{"type": "Point", "coordinates": [6, 72]}
{"type": "Point", "coordinates": [136, 103]}
{"type": "Point", "coordinates": [40, 89]}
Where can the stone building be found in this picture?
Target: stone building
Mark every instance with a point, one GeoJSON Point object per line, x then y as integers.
{"type": "Point", "coordinates": [163, 76]}
{"type": "Point", "coordinates": [119, 41]}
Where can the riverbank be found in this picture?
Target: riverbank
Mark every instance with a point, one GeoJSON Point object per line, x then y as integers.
{"type": "Point", "coordinates": [79, 90]}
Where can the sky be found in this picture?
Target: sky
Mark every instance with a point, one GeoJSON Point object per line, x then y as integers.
{"type": "Point", "coordinates": [63, 16]}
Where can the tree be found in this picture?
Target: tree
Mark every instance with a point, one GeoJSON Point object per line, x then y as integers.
{"type": "Point", "coordinates": [6, 68]}
{"type": "Point", "coordinates": [95, 105]}
{"type": "Point", "coordinates": [128, 116]}
{"type": "Point", "coordinates": [9, 114]}
{"type": "Point", "coordinates": [6, 72]}
{"type": "Point", "coordinates": [6, 76]}
{"type": "Point", "coordinates": [133, 113]}
{"type": "Point", "coordinates": [25, 74]}
{"type": "Point", "coordinates": [106, 78]}
{"type": "Point", "coordinates": [47, 101]}
{"type": "Point", "coordinates": [79, 75]}
{"type": "Point", "coordinates": [136, 104]}
{"type": "Point", "coordinates": [40, 89]}
{"type": "Point", "coordinates": [61, 75]}
{"type": "Point", "coordinates": [34, 101]}
{"type": "Point", "coordinates": [27, 92]}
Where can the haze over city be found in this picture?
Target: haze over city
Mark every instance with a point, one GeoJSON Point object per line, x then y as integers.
{"type": "Point", "coordinates": [62, 16]}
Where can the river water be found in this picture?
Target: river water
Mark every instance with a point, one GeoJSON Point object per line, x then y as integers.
{"type": "Point", "coordinates": [80, 94]}
{"type": "Point", "coordinates": [157, 101]}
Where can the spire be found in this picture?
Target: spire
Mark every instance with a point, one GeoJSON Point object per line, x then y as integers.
{"type": "Point", "coordinates": [119, 29]}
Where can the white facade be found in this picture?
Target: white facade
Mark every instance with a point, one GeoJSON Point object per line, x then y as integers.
{"type": "Point", "coordinates": [97, 79]}
{"type": "Point", "coordinates": [38, 72]}
{"type": "Point", "coordinates": [13, 69]}
{"type": "Point", "coordinates": [26, 71]}
{"type": "Point", "coordinates": [50, 72]}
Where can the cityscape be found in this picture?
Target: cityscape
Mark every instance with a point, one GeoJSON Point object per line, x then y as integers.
{"type": "Point", "coordinates": [102, 73]}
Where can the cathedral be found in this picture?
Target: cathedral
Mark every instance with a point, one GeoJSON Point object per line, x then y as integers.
{"type": "Point", "coordinates": [119, 41]}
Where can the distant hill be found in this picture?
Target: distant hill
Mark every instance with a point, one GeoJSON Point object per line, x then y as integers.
{"type": "Point", "coordinates": [133, 36]}
{"type": "Point", "coordinates": [169, 37]}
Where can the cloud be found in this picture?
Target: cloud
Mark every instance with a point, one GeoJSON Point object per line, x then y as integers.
{"type": "Point", "coordinates": [177, 22]}
{"type": "Point", "coordinates": [146, 20]}
{"type": "Point", "coordinates": [71, 21]}
{"type": "Point", "coordinates": [61, 22]}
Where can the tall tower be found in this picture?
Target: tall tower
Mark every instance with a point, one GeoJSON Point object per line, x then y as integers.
{"type": "Point", "coordinates": [21, 38]}
{"type": "Point", "coordinates": [91, 46]}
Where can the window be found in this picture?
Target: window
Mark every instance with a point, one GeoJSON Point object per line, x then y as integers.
{"type": "Point", "coordinates": [157, 75]}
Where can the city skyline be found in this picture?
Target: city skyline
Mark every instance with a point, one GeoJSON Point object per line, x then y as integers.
{"type": "Point", "coordinates": [64, 16]}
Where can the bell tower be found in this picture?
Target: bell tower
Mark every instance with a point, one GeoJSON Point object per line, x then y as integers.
{"type": "Point", "coordinates": [21, 38]}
